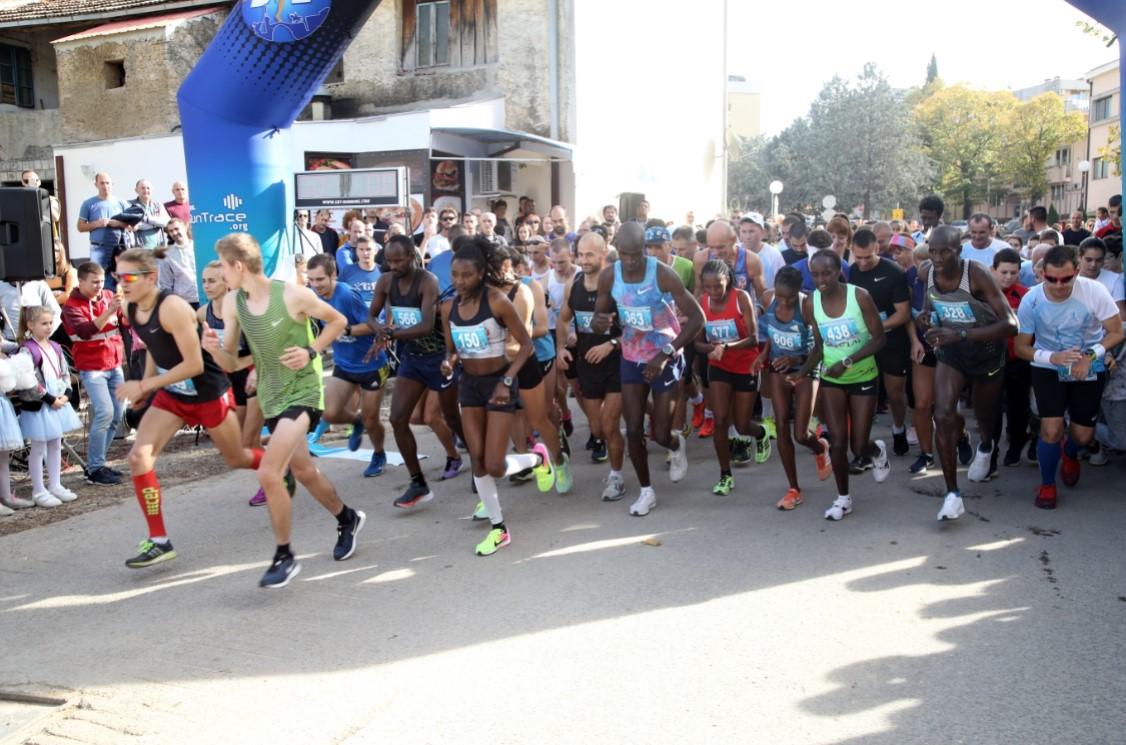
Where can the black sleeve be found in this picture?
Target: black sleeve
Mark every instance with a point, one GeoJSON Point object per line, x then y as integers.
{"type": "Point", "coordinates": [901, 293]}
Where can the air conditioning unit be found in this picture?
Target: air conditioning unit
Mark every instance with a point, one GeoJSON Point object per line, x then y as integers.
{"type": "Point", "coordinates": [491, 177]}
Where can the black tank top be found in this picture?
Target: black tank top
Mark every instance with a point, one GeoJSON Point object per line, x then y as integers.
{"type": "Point", "coordinates": [207, 386]}
{"type": "Point", "coordinates": [217, 323]}
{"type": "Point", "coordinates": [403, 308]}
{"type": "Point", "coordinates": [582, 302]}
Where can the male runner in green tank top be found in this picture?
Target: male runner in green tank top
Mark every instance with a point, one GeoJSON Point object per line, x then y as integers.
{"type": "Point", "coordinates": [274, 318]}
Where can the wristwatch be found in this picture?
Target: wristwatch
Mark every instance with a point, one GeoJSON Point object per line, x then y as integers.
{"type": "Point", "coordinates": [668, 350]}
{"type": "Point", "coordinates": [614, 342]}
{"type": "Point", "coordinates": [507, 380]}
{"type": "Point", "coordinates": [846, 362]}
{"type": "Point", "coordinates": [313, 354]}
{"type": "Point", "coordinates": [963, 334]}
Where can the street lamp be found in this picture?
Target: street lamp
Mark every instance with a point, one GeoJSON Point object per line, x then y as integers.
{"type": "Point", "coordinates": [775, 190]}
{"type": "Point", "coordinates": [1084, 166]}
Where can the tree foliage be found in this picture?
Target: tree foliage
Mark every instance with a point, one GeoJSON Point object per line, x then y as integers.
{"type": "Point", "coordinates": [1036, 129]}
{"type": "Point", "coordinates": [932, 69]}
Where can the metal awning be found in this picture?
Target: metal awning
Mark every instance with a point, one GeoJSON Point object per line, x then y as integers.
{"type": "Point", "coordinates": [467, 143]}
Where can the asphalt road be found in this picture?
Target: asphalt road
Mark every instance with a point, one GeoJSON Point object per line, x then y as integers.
{"type": "Point", "coordinates": [742, 625]}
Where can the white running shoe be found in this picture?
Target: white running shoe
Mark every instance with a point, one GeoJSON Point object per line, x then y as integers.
{"type": "Point", "coordinates": [841, 507]}
{"type": "Point", "coordinates": [45, 499]}
{"type": "Point", "coordinates": [615, 489]}
{"type": "Point", "coordinates": [678, 468]}
{"type": "Point", "coordinates": [979, 467]}
{"type": "Point", "coordinates": [1100, 457]}
{"type": "Point", "coordinates": [61, 493]}
{"type": "Point", "coordinates": [17, 503]}
{"type": "Point", "coordinates": [644, 504]}
{"type": "Point", "coordinates": [881, 466]}
{"type": "Point", "coordinates": [952, 507]}
{"type": "Point", "coordinates": [912, 436]}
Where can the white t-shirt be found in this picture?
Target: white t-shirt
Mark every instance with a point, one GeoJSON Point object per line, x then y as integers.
{"type": "Point", "coordinates": [772, 261]}
{"type": "Point", "coordinates": [1112, 281]}
{"type": "Point", "coordinates": [984, 256]}
{"type": "Point", "coordinates": [1075, 323]}
{"type": "Point", "coordinates": [436, 245]}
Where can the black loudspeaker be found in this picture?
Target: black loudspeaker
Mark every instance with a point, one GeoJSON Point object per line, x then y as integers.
{"type": "Point", "coordinates": [27, 248]}
{"type": "Point", "coordinates": [627, 205]}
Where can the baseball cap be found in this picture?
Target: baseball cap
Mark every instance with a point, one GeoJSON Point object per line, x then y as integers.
{"type": "Point", "coordinates": [756, 218]}
{"type": "Point", "coordinates": [655, 235]}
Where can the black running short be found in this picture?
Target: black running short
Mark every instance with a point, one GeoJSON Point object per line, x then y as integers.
{"type": "Point", "coordinates": [1079, 399]}
{"type": "Point", "coordinates": [739, 382]}
{"type": "Point", "coordinates": [974, 360]}
{"type": "Point", "coordinates": [295, 412]}
{"type": "Point", "coordinates": [477, 390]}
{"type": "Point", "coordinates": [862, 388]}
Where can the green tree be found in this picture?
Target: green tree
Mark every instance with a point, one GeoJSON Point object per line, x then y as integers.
{"type": "Point", "coordinates": [1113, 149]}
{"type": "Point", "coordinates": [932, 69]}
{"type": "Point", "coordinates": [1034, 131]}
{"type": "Point", "coordinates": [961, 131]}
{"type": "Point", "coordinates": [747, 177]}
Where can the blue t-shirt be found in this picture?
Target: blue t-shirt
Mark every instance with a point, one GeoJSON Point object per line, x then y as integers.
{"type": "Point", "coordinates": [94, 209]}
{"type": "Point", "coordinates": [345, 257]}
{"type": "Point", "coordinates": [348, 352]}
{"type": "Point", "coordinates": [1075, 323]}
{"type": "Point", "coordinates": [362, 280]}
{"type": "Point", "coordinates": [807, 278]}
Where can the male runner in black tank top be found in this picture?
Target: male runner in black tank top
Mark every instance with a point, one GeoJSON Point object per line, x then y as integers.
{"type": "Point", "coordinates": [409, 294]}
{"type": "Point", "coordinates": [189, 387]}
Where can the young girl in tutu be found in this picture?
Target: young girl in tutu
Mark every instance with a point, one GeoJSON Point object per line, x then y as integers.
{"type": "Point", "coordinates": [11, 438]}
{"type": "Point", "coordinates": [44, 421]}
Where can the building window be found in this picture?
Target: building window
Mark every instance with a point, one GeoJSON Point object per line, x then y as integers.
{"type": "Point", "coordinates": [1063, 156]}
{"type": "Point", "coordinates": [1057, 192]}
{"type": "Point", "coordinates": [113, 72]}
{"type": "Point", "coordinates": [448, 33]}
{"type": "Point", "coordinates": [1099, 168]}
{"type": "Point", "coordinates": [15, 77]}
{"type": "Point", "coordinates": [1101, 108]}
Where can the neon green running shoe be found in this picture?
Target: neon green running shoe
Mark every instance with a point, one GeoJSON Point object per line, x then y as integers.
{"type": "Point", "coordinates": [771, 428]}
{"type": "Point", "coordinates": [479, 513]}
{"type": "Point", "coordinates": [497, 539]}
{"type": "Point", "coordinates": [724, 486]}
{"type": "Point", "coordinates": [545, 472]}
{"type": "Point", "coordinates": [763, 448]}
{"type": "Point", "coordinates": [563, 478]}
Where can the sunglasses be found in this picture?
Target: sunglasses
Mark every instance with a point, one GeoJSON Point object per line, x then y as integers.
{"type": "Point", "coordinates": [1059, 280]}
{"type": "Point", "coordinates": [129, 277]}
{"type": "Point", "coordinates": [448, 219]}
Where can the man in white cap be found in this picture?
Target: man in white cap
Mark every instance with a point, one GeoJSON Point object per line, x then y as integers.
{"type": "Point", "coordinates": [752, 228]}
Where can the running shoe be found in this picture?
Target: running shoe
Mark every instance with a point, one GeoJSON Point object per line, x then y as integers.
{"type": "Point", "coordinates": [563, 479]}
{"type": "Point", "coordinates": [912, 436]}
{"type": "Point", "coordinates": [102, 477]}
{"type": "Point", "coordinates": [545, 471]}
{"type": "Point", "coordinates": [376, 466]}
{"type": "Point", "coordinates": [644, 504]}
{"type": "Point", "coordinates": [356, 436]}
{"type": "Point", "coordinates": [763, 448]}
{"type": "Point", "coordinates": [724, 486]}
{"type": "Point", "coordinates": [590, 442]}
{"type": "Point", "coordinates": [860, 464]}
{"type": "Point", "coordinates": [1012, 458]}
{"type": "Point", "coordinates": [698, 415]}
{"type": "Point", "coordinates": [497, 539]}
{"type": "Point", "coordinates": [346, 535]}
{"type": "Point", "coordinates": [453, 468]}
{"type": "Point", "coordinates": [979, 469]}
{"type": "Point", "coordinates": [899, 444]}
{"type": "Point", "coordinates": [740, 449]}
{"type": "Point", "coordinates": [615, 489]}
{"type": "Point", "coordinates": [479, 512]}
{"type": "Point", "coordinates": [791, 500]}
{"type": "Point", "coordinates": [841, 507]}
{"type": "Point", "coordinates": [281, 571]}
{"type": "Point", "coordinates": [599, 453]}
{"type": "Point", "coordinates": [771, 427]}
{"type": "Point", "coordinates": [952, 507]}
{"type": "Point", "coordinates": [521, 476]}
{"type": "Point", "coordinates": [824, 461]}
{"type": "Point", "coordinates": [965, 450]}
{"type": "Point", "coordinates": [414, 496]}
{"type": "Point", "coordinates": [678, 467]}
{"type": "Point", "coordinates": [1100, 457]}
{"type": "Point", "coordinates": [922, 463]}
{"type": "Point", "coordinates": [258, 499]}
{"type": "Point", "coordinates": [882, 468]}
{"type": "Point", "coordinates": [150, 552]}
{"type": "Point", "coordinates": [318, 432]}
{"type": "Point", "coordinates": [1046, 497]}
{"type": "Point", "coordinates": [568, 425]}
{"type": "Point", "coordinates": [62, 494]}
{"type": "Point", "coordinates": [45, 499]}
{"type": "Point", "coordinates": [1069, 467]}
{"type": "Point", "coordinates": [707, 429]}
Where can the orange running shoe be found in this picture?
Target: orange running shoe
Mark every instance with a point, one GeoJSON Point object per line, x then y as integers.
{"type": "Point", "coordinates": [791, 500]}
{"type": "Point", "coordinates": [698, 415]}
{"type": "Point", "coordinates": [707, 429]}
{"type": "Point", "coordinates": [824, 462]}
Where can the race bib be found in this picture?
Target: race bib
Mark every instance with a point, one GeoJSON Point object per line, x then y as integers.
{"type": "Point", "coordinates": [1065, 375]}
{"type": "Point", "coordinates": [583, 320]}
{"type": "Point", "coordinates": [639, 319]}
{"type": "Point", "coordinates": [470, 340]}
{"type": "Point", "coordinates": [840, 333]}
{"type": "Point", "coordinates": [953, 312]}
{"type": "Point", "coordinates": [741, 281]}
{"type": "Point", "coordinates": [785, 341]}
{"type": "Point", "coordinates": [183, 388]}
{"type": "Point", "coordinates": [721, 331]}
{"type": "Point", "coordinates": [883, 315]}
{"type": "Point", "coordinates": [405, 317]}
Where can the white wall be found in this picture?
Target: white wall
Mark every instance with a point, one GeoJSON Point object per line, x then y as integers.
{"type": "Point", "coordinates": [650, 106]}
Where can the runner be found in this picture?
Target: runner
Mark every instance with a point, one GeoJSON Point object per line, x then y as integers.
{"type": "Point", "coordinates": [353, 369]}
{"type": "Point", "coordinates": [480, 317]}
{"type": "Point", "coordinates": [275, 318]}
{"type": "Point", "coordinates": [559, 281]}
{"type": "Point", "coordinates": [729, 340]}
{"type": "Point", "coordinates": [787, 340]}
{"type": "Point", "coordinates": [648, 298]}
{"type": "Point", "coordinates": [189, 389]}
{"type": "Point", "coordinates": [1067, 324]}
{"type": "Point", "coordinates": [847, 333]}
{"type": "Point", "coordinates": [415, 328]}
{"type": "Point", "coordinates": [887, 285]}
{"type": "Point", "coordinates": [966, 321]}
{"type": "Point", "coordinates": [1018, 373]}
{"type": "Point", "coordinates": [596, 359]}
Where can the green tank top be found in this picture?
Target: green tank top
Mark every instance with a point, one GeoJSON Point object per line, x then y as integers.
{"type": "Point", "coordinates": [842, 337]}
{"type": "Point", "coordinates": [269, 335]}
